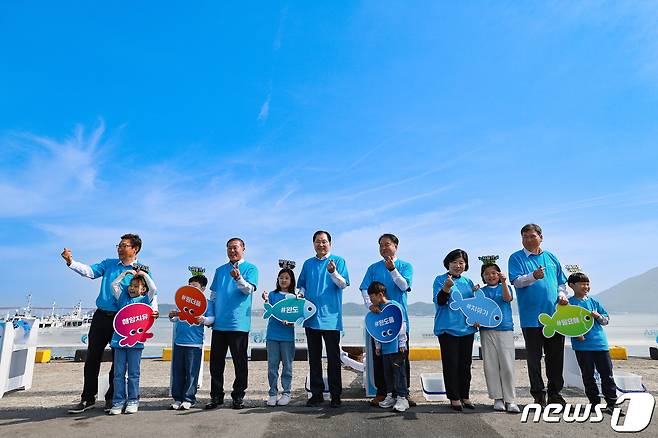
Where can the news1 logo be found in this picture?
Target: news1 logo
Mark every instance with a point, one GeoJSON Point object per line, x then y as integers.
{"type": "Point", "coordinates": [638, 414]}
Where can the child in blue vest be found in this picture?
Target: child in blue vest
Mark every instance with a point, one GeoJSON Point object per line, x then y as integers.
{"type": "Point", "coordinates": [592, 350]}
{"type": "Point", "coordinates": [393, 357]}
{"type": "Point", "coordinates": [498, 350]}
{"type": "Point", "coordinates": [187, 353]}
{"type": "Point", "coordinates": [127, 359]}
{"type": "Point", "coordinates": [280, 341]}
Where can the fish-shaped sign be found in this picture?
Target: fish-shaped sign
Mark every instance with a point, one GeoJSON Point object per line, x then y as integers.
{"type": "Point", "coordinates": [132, 323]}
{"type": "Point", "coordinates": [478, 310]}
{"type": "Point", "coordinates": [191, 303]}
{"type": "Point", "coordinates": [567, 320]}
{"type": "Point", "coordinates": [290, 310]}
{"type": "Point", "coordinates": [385, 326]}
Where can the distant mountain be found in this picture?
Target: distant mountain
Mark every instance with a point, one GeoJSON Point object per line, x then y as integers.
{"type": "Point", "coordinates": [421, 309]}
{"type": "Point", "coordinates": [634, 295]}
{"type": "Point", "coordinates": [353, 309]}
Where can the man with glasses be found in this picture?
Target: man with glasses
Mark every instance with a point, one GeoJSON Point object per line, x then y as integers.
{"type": "Point", "coordinates": [322, 281]}
{"type": "Point", "coordinates": [102, 328]}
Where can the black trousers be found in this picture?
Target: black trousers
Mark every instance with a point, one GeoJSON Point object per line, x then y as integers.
{"type": "Point", "coordinates": [456, 359]}
{"type": "Point", "coordinates": [221, 342]}
{"type": "Point", "coordinates": [100, 334]}
{"type": "Point", "coordinates": [378, 369]}
{"type": "Point", "coordinates": [553, 348]}
{"type": "Point", "coordinates": [599, 360]}
{"type": "Point", "coordinates": [332, 345]}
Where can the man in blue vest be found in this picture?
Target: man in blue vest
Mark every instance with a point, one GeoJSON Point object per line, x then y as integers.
{"type": "Point", "coordinates": [229, 307]}
{"type": "Point", "coordinates": [396, 275]}
{"type": "Point", "coordinates": [322, 281]}
{"type": "Point", "coordinates": [540, 285]}
{"type": "Point", "coordinates": [102, 328]}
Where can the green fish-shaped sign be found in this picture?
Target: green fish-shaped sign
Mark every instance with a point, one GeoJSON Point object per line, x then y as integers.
{"type": "Point", "coordinates": [567, 320]}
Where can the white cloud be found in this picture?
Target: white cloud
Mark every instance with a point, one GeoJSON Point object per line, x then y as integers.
{"type": "Point", "coordinates": [47, 175]}
{"type": "Point", "coordinates": [265, 109]}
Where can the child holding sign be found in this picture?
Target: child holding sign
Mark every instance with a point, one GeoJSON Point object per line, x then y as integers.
{"type": "Point", "coordinates": [127, 358]}
{"type": "Point", "coordinates": [393, 357]}
{"type": "Point", "coordinates": [591, 349]}
{"type": "Point", "coordinates": [187, 350]}
{"type": "Point", "coordinates": [280, 341]}
{"type": "Point", "coordinates": [498, 350]}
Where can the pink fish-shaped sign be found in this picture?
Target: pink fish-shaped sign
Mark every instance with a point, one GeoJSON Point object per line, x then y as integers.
{"type": "Point", "coordinates": [132, 323]}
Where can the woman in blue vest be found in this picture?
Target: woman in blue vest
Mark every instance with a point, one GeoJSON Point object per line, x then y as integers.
{"type": "Point", "coordinates": [455, 336]}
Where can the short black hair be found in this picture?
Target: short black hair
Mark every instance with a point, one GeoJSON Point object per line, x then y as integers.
{"type": "Point", "coordinates": [293, 283]}
{"type": "Point", "coordinates": [577, 277]}
{"type": "Point", "coordinates": [235, 238]}
{"type": "Point", "coordinates": [320, 232]}
{"type": "Point", "coordinates": [454, 255]}
{"type": "Point", "coordinates": [201, 279]}
{"type": "Point", "coordinates": [531, 227]}
{"type": "Point", "coordinates": [376, 288]}
{"type": "Point", "coordinates": [135, 241]}
{"type": "Point", "coordinates": [390, 236]}
{"type": "Point", "coordinates": [141, 280]}
{"type": "Point", "coordinates": [488, 265]}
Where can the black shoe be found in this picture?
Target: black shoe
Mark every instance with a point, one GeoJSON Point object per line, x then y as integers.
{"type": "Point", "coordinates": [411, 402]}
{"type": "Point", "coordinates": [556, 399]}
{"type": "Point", "coordinates": [108, 406]}
{"type": "Point", "coordinates": [214, 404]}
{"type": "Point", "coordinates": [82, 406]}
{"type": "Point", "coordinates": [315, 400]}
{"type": "Point", "coordinates": [540, 399]}
{"type": "Point", "coordinates": [335, 402]}
{"type": "Point", "coordinates": [468, 405]}
{"type": "Point", "coordinates": [611, 409]}
{"type": "Point", "coordinates": [238, 403]}
{"type": "Point", "coordinates": [457, 408]}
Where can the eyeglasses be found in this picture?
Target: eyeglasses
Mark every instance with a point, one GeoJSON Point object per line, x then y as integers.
{"type": "Point", "coordinates": [123, 245]}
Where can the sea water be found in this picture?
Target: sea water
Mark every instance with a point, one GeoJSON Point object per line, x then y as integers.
{"type": "Point", "coordinates": [636, 332]}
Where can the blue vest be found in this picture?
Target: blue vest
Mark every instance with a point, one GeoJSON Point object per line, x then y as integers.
{"type": "Point", "coordinates": [110, 269]}
{"type": "Point", "coordinates": [323, 292]}
{"type": "Point", "coordinates": [541, 296]}
{"type": "Point", "coordinates": [595, 339]}
{"type": "Point", "coordinates": [123, 301]}
{"type": "Point", "coordinates": [446, 320]}
{"type": "Point", "coordinates": [496, 294]}
{"type": "Point", "coordinates": [230, 307]}
{"type": "Point", "coordinates": [276, 330]}
{"type": "Point", "coordinates": [379, 272]}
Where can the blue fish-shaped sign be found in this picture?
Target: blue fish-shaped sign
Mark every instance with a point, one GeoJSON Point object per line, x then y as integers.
{"type": "Point", "coordinates": [291, 310]}
{"type": "Point", "coordinates": [479, 309]}
{"type": "Point", "coordinates": [385, 326]}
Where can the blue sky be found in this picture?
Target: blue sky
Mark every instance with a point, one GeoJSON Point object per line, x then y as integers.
{"type": "Point", "coordinates": [448, 124]}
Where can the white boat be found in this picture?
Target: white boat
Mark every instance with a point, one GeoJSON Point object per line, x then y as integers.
{"type": "Point", "coordinates": [50, 321]}
{"type": "Point", "coordinates": [76, 318]}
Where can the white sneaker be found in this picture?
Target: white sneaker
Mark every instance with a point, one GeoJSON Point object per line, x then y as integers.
{"type": "Point", "coordinates": [175, 406]}
{"type": "Point", "coordinates": [512, 408]}
{"type": "Point", "coordinates": [132, 408]}
{"type": "Point", "coordinates": [116, 410]}
{"type": "Point", "coordinates": [499, 405]}
{"type": "Point", "coordinates": [283, 400]}
{"type": "Point", "coordinates": [388, 402]}
{"type": "Point", "coordinates": [271, 400]}
{"type": "Point", "coordinates": [185, 406]}
{"type": "Point", "coordinates": [401, 404]}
